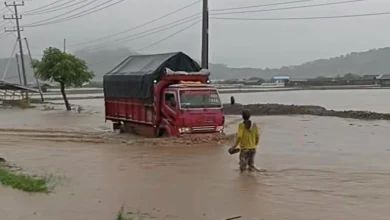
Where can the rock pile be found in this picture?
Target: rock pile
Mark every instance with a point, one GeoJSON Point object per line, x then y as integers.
{"type": "Point", "coordinates": [278, 109]}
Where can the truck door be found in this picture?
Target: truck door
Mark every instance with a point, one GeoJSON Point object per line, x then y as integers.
{"type": "Point", "coordinates": [170, 102]}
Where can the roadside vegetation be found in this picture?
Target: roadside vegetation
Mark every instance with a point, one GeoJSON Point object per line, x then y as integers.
{"type": "Point", "coordinates": [23, 103]}
{"type": "Point", "coordinates": [126, 216]}
{"type": "Point", "coordinates": [20, 181]}
{"type": "Point", "coordinates": [64, 69]}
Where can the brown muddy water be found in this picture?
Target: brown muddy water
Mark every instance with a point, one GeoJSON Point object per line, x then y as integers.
{"type": "Point", "coordinates": [317, 168]}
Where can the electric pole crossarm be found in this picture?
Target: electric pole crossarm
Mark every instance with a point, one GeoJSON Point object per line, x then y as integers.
{"type": "Point", "coordinates": [11, 17]}
{"type": "Point", "coordinates": [14, 29]}
{"type": "Point", "coordinates": [14, 4]}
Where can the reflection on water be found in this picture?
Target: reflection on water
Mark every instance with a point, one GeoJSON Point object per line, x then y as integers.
{"type": "Point", "coordinates": [317, 168]}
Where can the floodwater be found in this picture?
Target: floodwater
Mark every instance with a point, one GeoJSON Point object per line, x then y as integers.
{"type": "Point", "coordinates": [364, 99]}
{"type": "Point", "coordinates": [316, 168]}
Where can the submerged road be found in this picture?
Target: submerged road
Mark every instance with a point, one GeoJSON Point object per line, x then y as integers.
{"type": "Point", "coordinates": [317, 168]}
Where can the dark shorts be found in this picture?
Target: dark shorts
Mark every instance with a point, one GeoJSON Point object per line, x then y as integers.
{"type": "Point", "coordinates": [247, 159]}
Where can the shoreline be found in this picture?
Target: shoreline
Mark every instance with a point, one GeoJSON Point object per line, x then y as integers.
{"type": "Point", "coordinates": [288, 110]}
{"type": "Point", "coordinates": [221, 91]}
{"type": "Point", "coordinates": [273, 109]}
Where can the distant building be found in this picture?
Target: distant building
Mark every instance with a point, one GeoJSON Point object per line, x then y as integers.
{"type": "Point", "coordinates": [44, 86]}
{"type": "Point", "coordinates": [253, 82]}
{"type": "Point", "coordinates": [280, 79]}
{"type": "Point", "coordinates": [384, 80]}
{"type": "Point", "coordinates": [373, 77]}
{"type": "Point", "coordinates": [296, 82]}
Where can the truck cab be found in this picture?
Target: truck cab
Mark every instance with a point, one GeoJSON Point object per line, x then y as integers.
{"type": "Point", "coordinates": [191, 107]}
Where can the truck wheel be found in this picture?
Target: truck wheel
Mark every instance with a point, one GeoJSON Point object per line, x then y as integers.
{"type": "Point", "coordinates": [161, 132]}
{"type": "Point", "coordinates": [127, 128]}
{"type": "Point", "coordinates": [122, 129]}
{"type": "Point", "coordinates": [116, 126]}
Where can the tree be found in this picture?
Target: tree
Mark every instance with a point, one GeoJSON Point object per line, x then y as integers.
{"type": "Point", "coordinates": [349, 76]}
{"type": "Point", "coordinates": [63, 68]}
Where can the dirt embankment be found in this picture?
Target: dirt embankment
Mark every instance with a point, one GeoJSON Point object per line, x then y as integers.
{"type": "Point", "coordinates": [279, 109]}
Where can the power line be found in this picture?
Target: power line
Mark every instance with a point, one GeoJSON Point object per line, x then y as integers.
{"type": "Point", "coordinates": [3, 10]}
{"type": "Point", "coordinates": [55, 8]}
{"type": "Point", "coordinates": [81, 13]}
{"type": "Point", "coordinates": [254, 6]}
{"type": "Point", "coordinates": [45, 6]}
{"type": "Point", "coordinates": [3, 24]}
{"type": "Point", "coordinates": [3, 34]}
{"type": "Point", "coordinates": [189, 18]}
{"type": "Point", "coordinates": [141, 25]}
{"type": "Point", "coordinates": [169, 36]}
{"type": "Point", "coordinates": [263, 5]}
{"type": "Point", "coordinates": [302, 18]}
{"type": "Point", "coordinates": [9, 60]}
{"type": "Point", "coordinates": [135, 36]}
{"type": "Point", "coordinates": [288, 8]}
{"type": "Point", "coordinates": [52, 18]}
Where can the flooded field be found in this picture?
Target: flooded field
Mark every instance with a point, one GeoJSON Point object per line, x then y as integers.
{"type": "Point", "coordinates": [317, 168]}
{"type": "Point", "coordinates": [366, 100]}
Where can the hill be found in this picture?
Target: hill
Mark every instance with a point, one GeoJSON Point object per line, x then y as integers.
{"type": "Point", "coordinates": [375, 61]}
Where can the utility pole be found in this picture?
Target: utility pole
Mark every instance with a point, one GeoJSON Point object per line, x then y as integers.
{"type": "Point", "coordinates": [64, 45]}
{"type": "Point", "coordinates": [18, 68]}
{"type": "Point", "coordinates": [205, 35]}
{"type": "Point", "coordinates": [36, 79]}
{"type": "Point", "coordinates": [17, 29]}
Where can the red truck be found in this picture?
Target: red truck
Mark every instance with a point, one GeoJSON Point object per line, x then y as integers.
{"type": "Point", "coordinates": [162, 95]}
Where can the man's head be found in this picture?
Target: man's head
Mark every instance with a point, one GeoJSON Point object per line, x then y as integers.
{"type": "Point", "coordinates": [246, 115]}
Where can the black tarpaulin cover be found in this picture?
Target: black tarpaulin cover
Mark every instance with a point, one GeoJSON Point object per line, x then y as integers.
{"type": "Point", "coordinates": [133, 77]}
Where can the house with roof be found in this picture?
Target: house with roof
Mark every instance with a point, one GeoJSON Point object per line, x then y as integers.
{"type": "Point", "coordinates": [384, 80]}
{"type": "Point", "coordinates": [280, 79]}
{"type": "Point", "coordinates": [254, 81]}
{"type": "Point", "coordinates": [296, 82]}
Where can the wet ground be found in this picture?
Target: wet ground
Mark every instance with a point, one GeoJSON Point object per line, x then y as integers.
{"type": "Point", "coordinates": [317, 168]}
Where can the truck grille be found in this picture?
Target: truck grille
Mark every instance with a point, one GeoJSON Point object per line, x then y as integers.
{"type": "Point", "coordinates": [203, 129]}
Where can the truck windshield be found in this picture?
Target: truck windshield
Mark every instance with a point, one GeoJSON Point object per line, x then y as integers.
{"type": "Point", "coordinates": [199, 99]}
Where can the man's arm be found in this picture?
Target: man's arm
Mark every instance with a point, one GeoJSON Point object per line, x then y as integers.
{"type": "Point", "coordinates": [239, 136]}
{"type": "Point", "coordinates": [257, 133]}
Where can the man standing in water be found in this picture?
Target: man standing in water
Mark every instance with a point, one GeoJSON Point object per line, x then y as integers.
{"type": "Point", "coordinates": [248, 139]}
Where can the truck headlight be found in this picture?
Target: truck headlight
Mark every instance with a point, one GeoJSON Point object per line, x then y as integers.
{"type": "Point", "coordinates": [184, 130]}
{"type": "Point", "coordinates": [219, 128]}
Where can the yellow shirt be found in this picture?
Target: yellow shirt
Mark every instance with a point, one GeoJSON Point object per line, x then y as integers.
{"type": "Point", "coordinates": [248, 138]}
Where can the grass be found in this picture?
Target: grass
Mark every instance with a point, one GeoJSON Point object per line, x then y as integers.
{"type": "Point", "coordinates": [22, 182]}
{"type": "Point", "coordinates": [124, 216]}
{"type": "Point", "coordinates": [23, 103]}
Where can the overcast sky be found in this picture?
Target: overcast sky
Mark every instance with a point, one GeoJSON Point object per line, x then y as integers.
{"type": "Point", "coordinates": [236, 43]}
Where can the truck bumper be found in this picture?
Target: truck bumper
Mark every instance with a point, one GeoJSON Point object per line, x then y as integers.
{"type": "Point", "coordinates": [201, 129]}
